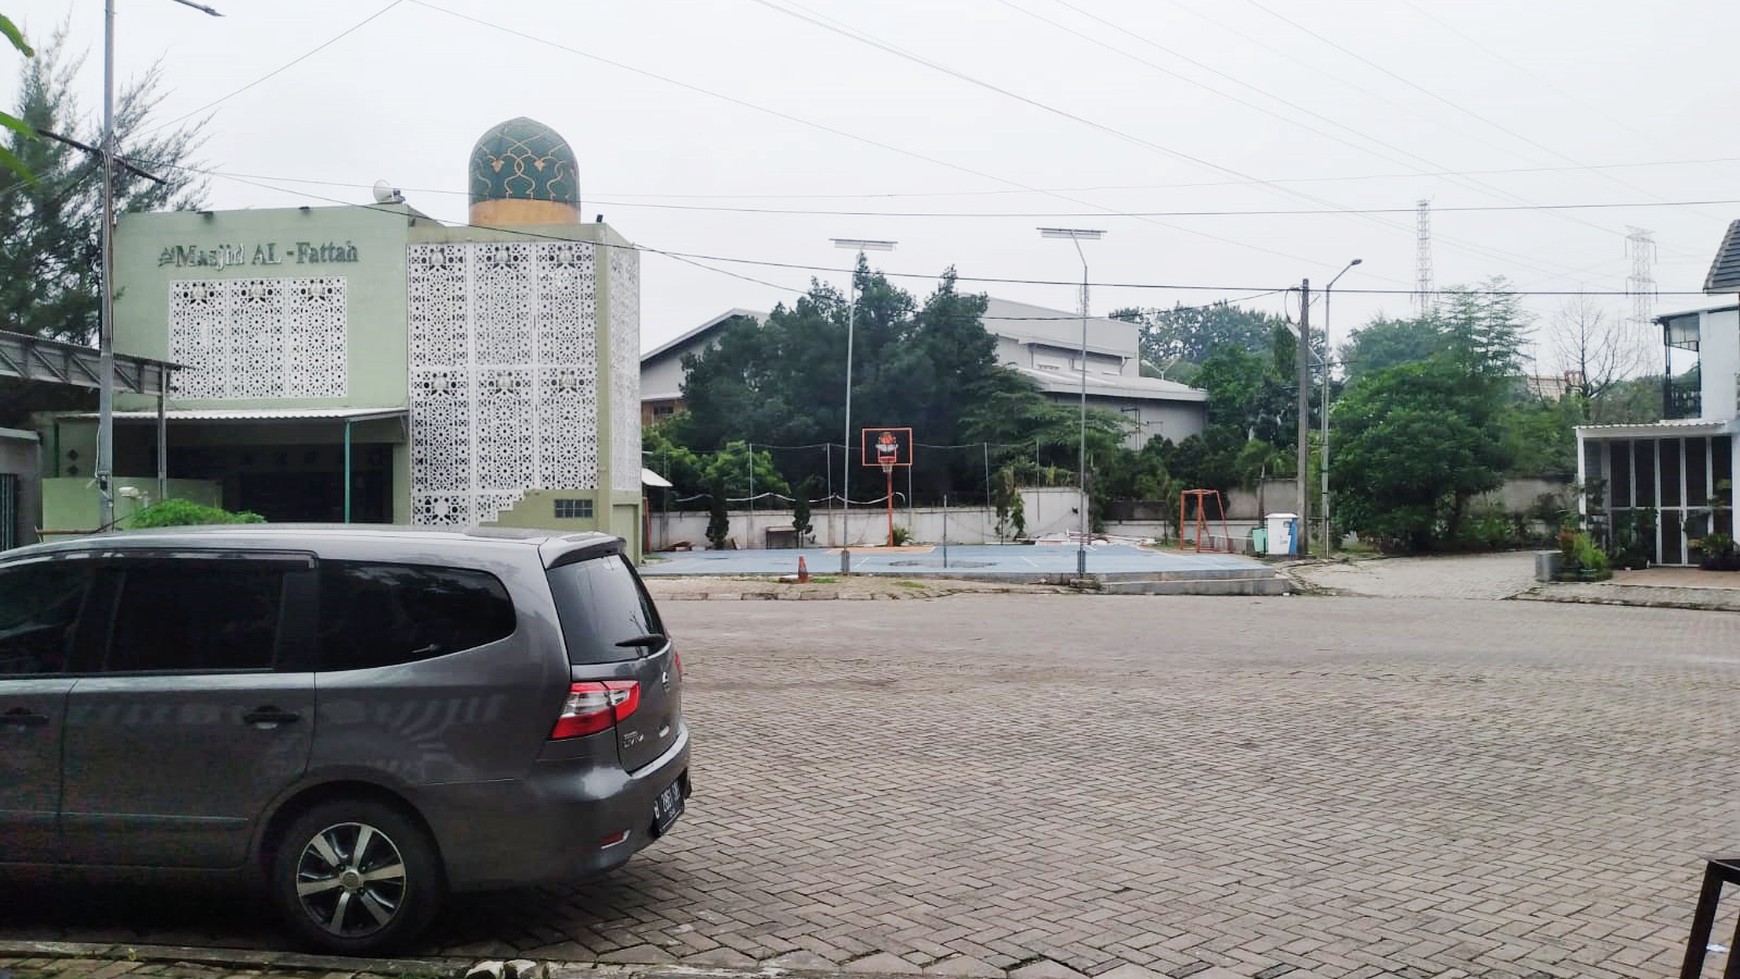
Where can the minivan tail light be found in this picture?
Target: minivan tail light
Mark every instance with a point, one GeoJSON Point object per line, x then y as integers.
{"type": "Point", "coordinates": [595, 706]}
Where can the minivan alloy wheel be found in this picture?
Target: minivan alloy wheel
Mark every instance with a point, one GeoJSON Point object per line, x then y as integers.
{"type": "Point", "coordinates": [351, 879]}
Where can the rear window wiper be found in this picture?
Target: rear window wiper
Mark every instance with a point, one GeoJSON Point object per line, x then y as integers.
{"type": "Point", "coordinates": [649, 640]}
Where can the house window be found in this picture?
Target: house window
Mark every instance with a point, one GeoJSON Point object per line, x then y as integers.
{"type": "Point", "coordinates": [573, 509]}
{"type": "Point", "coordinates": [664, 411]}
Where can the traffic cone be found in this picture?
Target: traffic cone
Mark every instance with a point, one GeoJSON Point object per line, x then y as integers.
{"type": "Point", "coordinates": [803, 571]}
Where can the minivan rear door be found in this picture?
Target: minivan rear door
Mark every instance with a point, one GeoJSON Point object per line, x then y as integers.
{"type": "Point", "coordinates": [613, 632]}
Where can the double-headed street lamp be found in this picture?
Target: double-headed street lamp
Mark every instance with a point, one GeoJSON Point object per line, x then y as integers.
{"type": "Point", "coordinates": [106, 327]}
{"type": "Point", "coordinates": [860, 246]}
{"type": "Point", "coordinates": [1078, 235]}
{"type": "Point", "coordinates": [1323, 461]}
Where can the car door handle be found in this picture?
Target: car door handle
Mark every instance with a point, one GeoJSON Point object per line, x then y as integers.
{"type": "Point", "coordinates": [23, 717]}
{"type": "Point", "coordinates": [270, 715]}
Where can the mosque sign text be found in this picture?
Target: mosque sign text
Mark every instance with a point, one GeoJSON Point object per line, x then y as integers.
{"type": "Point", "coordinates": [223, 256]}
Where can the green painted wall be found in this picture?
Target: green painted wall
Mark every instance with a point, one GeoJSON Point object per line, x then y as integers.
{"type": "Point", "coordinates": [70, 503]}
{"type": "Point", "coordinates": [613, 513]}
{"type": "Point", "coordinates": [154, 249]}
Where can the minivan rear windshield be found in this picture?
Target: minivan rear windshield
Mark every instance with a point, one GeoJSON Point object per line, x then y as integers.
{"type": "Point", "coordinates": [602, 603]}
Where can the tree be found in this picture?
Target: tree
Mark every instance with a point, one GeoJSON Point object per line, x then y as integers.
{"type": "Point", "coordinates": [9, 158]}
{"type": "Point", "coordinates": [1540, 437]}
{"type": "Point", "coordinates": [727, 473]}
{"type": "Point", "coordinates": [1192, 333]}
{"type": "Point", "coordinates": [800, 510]}
{"type": "Point", "coordinates": [1633, 401]}
{"type": "Point", "coordinates": [677, 463]}
{"type": "Point", "coordinates": [1389, 343]}
{"type": "Point", "coordinates": [51, 224]}
{"type": "Point", "coordinates": [1417, 443]}
{"type": "Point", "coordinates": [930, 365]}
{"type": "Point", "coordinates": [718, 519]}
{"type": "Point", "coordinates": [1594, 350]}
{"type": "Point", "coordinates": [1485, 328]}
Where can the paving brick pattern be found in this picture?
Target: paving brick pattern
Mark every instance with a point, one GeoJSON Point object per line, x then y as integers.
{"type": "Point", "coordinates": [1490, 576]}
{"type": "Point", "coordinates": [1073, 785]}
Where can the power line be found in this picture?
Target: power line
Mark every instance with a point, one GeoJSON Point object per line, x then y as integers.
{"type": "Point", "coordinates": [282, 68]}
{"type": "Point", "coordinates": [1466, 111]}
{"type": "Point", "coordinates": [711, 93]}
{"type": "Point", "coordinates": [1547, 85]}
{"type": "Point", "coordinates": [997, 280]}
{"type": "Point", "coordinates": [800, 13]}
{"type": "Point", "coordinates": [1428, 92]}
{"type": "Point", "coordinates": [1042, 215]}
{"type": "Point", "coordinates": [1516, 66]}
{"type": "Point", "coordinates": [1460, 179]}
{"type": "Point", "coordinates": [1219, 21]}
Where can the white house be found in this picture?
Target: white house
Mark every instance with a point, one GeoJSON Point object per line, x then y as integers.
{"type": "Point", "coordinates": [1046, 345]}
{"type": "Point", "coordinates": [661, 368]}
{"type": "Point", "coordinates": [1680, 469]}
{"type": "Point", "coordinates": [1042, 344]}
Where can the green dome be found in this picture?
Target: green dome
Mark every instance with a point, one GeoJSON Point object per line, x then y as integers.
{"type": "Point", "coordinates": [523, 159]}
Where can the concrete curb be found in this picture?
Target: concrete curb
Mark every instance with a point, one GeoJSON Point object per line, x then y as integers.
{"type": "Point", "coordinates": [104, 958]}
{"type": "Point", "coordinates": [1238, 582]}
{"type": "Point", "coordinates": [1632, 596]}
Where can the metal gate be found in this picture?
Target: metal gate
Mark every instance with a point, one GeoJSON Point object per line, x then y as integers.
{"type": "Point", "coordinates": [8, 511]}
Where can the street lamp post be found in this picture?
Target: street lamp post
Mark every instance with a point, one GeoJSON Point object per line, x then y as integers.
{"type": "Point", "coordinates": [1323, 462]}
{"type": "Point", "coordinates": [1077, 236]}
{"type": "Point", "coordinates": [105, 467]}
{"type": "Point", "coordinates": [859, 245]}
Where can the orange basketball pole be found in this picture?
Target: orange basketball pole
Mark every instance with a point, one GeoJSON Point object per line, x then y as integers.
{"type": "Point", "coordinates": [889, 472]}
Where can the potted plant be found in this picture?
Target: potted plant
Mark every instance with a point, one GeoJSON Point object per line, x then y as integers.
{"type": "Point", "coordinates": [1719, 554]}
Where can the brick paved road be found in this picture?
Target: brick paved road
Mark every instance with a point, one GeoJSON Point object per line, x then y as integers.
{"type": "Point", "coordinates": [1346, 787]}
{"type": "Point", "coordinates": [1440, 576]}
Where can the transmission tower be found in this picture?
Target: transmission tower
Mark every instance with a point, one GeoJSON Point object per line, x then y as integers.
{"type": "Point", "coordinates": [1640, 248]}
{"type": "Point", "coordinates": [1423, 260]}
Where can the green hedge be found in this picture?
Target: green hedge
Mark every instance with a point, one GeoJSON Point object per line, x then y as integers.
{"type": "Point", "coordinates": [186, 513]}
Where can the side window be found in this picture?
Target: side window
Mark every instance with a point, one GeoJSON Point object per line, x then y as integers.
{"type": "Point", "coordinates": [39, 605]}
{"type": "Point", "coordinates": [190, 615]}
{"type": "Point", "coordinates": [383, 614]}
{"type": "Point", "coordinates": [601, 603]}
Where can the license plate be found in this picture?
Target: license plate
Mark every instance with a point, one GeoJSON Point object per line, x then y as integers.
{"type": "Point", "coordinates": [667, 807]}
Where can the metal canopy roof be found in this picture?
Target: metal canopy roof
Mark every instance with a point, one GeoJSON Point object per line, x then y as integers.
{"type": "Point", "coordinates": [252, 414]}
{"type": "Point", "coordinates": [58, 362]}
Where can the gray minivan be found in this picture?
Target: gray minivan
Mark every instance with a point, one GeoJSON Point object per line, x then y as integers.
{"type": "Point", "coordinates": [364, 718]}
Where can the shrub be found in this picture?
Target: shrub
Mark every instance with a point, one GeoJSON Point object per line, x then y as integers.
{"type": "Point", "coordinates": [718, 520]}
{"type": "Point", "coordinates": [1584, 559]}
{"type": "Point", "coordinates": [186, 513]}
{"type": "Point", "coordinates": [800, 510]}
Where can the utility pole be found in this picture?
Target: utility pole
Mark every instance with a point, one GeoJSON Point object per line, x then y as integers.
{"type": "Point", "coordinates": [1304, 463]}
{"type": "Point", "coordinates": [105, 467]}
{"type": "Point", "coordinates": [106, 326]}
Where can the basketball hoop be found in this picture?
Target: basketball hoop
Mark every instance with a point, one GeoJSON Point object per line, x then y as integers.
{"type": "Point", "coordinates": [887, 449]}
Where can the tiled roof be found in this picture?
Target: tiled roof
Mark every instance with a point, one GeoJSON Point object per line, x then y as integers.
{"type": "Point", "coordinates": [1725, 270]}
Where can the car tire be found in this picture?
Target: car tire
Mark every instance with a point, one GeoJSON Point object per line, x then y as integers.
{"type": "Point", "coordinates": [356, 877]}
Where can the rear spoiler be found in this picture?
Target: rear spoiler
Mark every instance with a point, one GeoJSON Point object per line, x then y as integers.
{"type": "Point", "coordinates": [559, 551]}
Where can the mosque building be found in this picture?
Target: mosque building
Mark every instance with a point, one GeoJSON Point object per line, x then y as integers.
{"type": "Point", "coordinates": [366, 363]}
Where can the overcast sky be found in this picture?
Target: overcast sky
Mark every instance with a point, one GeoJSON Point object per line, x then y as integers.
{"type": "Point", "coordinates": [993, 117]}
